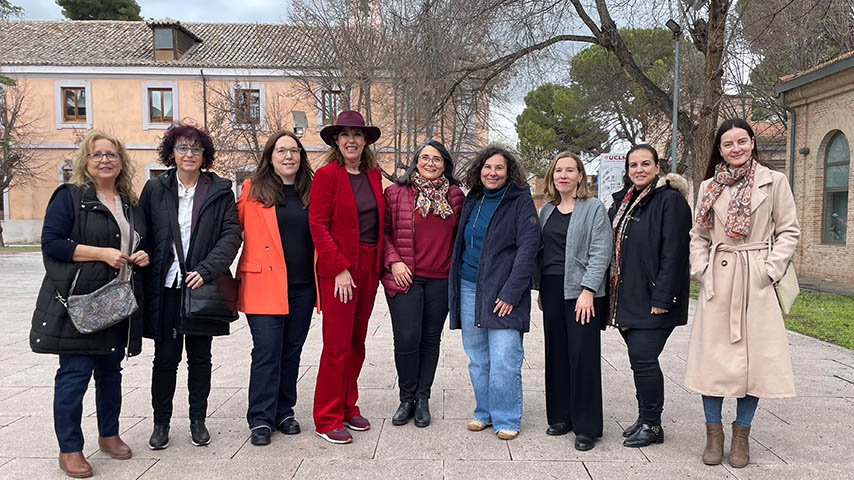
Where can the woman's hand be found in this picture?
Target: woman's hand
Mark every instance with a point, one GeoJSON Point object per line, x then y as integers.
{"type": "Point", "coordinates": [402, 274]}
{"type": "Point", "coordinates": [113, 257]}
{"type": "Point", "coordinates": [194, 280]}
{"type": "Point", "coordinates": [502, 308]}
{"type": "Point", "coordinates": [344, 286]}
{"type": "Point", "coordinates": [139, 258]}
{"type": "Point", "coordinates": [658, 311]}
{"type": "Point", "coordinates": [584, 307]}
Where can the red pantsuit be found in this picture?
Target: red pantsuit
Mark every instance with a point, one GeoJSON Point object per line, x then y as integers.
{"type": "Point", "coordinates": [334, 223]}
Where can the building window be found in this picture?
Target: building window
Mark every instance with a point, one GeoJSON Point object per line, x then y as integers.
{"type": "Point", "coordinates": [73, 104]}
{"type": "Point", "coordinates": [160, 105]}
{"type": "Point", "coordinates": [247, 106]}
{"type": "Point", "coordinates": [836, 174]}
{"type": "Point", "coordinates": [332, 102]}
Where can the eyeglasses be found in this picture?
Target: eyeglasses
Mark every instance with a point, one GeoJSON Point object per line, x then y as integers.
{"type": "Point", "coordinates": [427, 158]}
{"type": "Point", "coordinates": [99, 156]}
{"type": "Point", "coordinates": [284, 151]}
{"type": "Point", "coordinates": [183, 149]}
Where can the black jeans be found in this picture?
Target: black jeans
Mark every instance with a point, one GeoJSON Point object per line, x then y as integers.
{"type": "Point", "coordinates": [645, 345]}
{"type": "Point", "coordinates": [417, 319]}
{"type": "Point", "coordinates": [573, 360]}
{"type": "Point", "coordinates": [70, 384]}
{"type": "Point", "coordinates": [167, 356]}
{"type": "Point", "coordinates": [277, 342]}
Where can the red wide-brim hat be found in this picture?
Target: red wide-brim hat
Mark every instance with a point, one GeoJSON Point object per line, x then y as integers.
{"type": "Point", "coordinates": [352, 119]}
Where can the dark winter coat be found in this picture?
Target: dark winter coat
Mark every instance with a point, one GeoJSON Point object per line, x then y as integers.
{"type": "Point", "coordinates": [399, 239]}
{"type": "Point", "coordinates": [93, 225]}
{"type": "Point", "coordinates": [654, 270]}
{"type": "Point", "coordinates": [214, 240]}
{"type": "Point", "coordinates": [506, 263]}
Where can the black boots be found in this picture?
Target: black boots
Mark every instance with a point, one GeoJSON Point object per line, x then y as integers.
{"type": "Point", "coordinates": [199, 433]}
{"type": "Point", "coordinates": [422, 412]}
{"type": "Point", "coordinates": [404, 412]}
{"type": "Point", "coordinates": [633, 428]}
{"type": "Point", "coordinates": [159, 437]}
{"type": "Point", "coordinates": [645, 436]}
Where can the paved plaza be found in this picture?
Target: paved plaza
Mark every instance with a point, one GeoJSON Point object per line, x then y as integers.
{"type": "Point", "coordinates": [806, 437]}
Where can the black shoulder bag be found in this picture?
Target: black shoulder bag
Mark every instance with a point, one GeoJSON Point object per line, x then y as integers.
{"type": "Point", "coordinates": [215, 301]}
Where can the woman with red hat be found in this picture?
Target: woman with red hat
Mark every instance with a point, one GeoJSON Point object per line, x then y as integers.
{"type": "Point", "coordinates": [345, 215]}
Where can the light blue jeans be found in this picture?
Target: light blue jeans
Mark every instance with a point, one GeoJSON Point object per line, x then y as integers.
{"type": "Point", "coordinates": [495, 367]}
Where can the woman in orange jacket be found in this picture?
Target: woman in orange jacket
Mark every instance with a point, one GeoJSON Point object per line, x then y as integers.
{"type": "Point", "coordinates": [278, 288]}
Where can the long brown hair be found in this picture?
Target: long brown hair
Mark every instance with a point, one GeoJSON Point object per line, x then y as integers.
{"type": "Point", "coordinates": [265, 183]}
{"type": "Point", "coordinates": [715, 156]}
{"type": "Point", "coordinates": [550, 192]}
{"type": "Point", "coordinates": [80, 176]}
{"type": "Point", "coordinates": [366, 163]}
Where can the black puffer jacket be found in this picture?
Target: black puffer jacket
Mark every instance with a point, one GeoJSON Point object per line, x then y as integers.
{"type": "Point", "coordinates": [214, 240]}
{"type": "Point", "coordinates": [654, 270]}
{"type": "Point", "coordinates": [94, 225]}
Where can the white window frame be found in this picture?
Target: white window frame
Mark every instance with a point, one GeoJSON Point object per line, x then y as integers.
{"type": "Point", "coordinates": [262, 108]}
{"type": "Point", "coordinates": [147, 124]}
{"type": "Point", "coordinates": [59, 104]}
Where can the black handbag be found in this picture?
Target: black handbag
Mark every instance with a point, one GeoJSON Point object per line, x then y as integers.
{"type": "Point", "coordinates": [214, 301]}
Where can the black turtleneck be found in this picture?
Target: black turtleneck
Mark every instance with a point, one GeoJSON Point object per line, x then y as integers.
{"type": "Point", "coordinates": [296, 238]}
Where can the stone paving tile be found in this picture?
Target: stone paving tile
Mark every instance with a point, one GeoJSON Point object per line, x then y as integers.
{"type": "Point", "coordinates": [6, 392]}
{"type": "Point", "coordinates": [796, 444]}
{"type": "Point", "coordinates": [503, 470]}
{"type": "Point", "coordinates": [8, 420]}
{"type": "Point", "coordinates": [227, 436]}
{"type": "Point", "coordinates": [210, 468]}
{"type": "Point", "coordinates": [443, 439]}
{"type": "Point", "coordinates": [335, 469]}
{"type": "Point", "coordinates": [47, 468]}
{"type": "Point", "coordinates": [806, 471]}
{"type": "Point", "coordinates": [615, 471]}
{"type": "Point", "coordinates": [308, 445]}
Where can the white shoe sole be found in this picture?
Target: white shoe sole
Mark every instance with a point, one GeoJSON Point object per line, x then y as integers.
{"type": "Point", "coordinates": [152, 447]}
{"type": "Point", "coordinates": [358, 429]}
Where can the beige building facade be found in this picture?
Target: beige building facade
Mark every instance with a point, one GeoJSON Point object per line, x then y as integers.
{"type": "Point", "coordinates": [133, 79]}
{"type": "Point", "coordinates": [821, 116]}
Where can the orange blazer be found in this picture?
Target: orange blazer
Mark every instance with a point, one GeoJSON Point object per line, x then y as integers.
{"type": "Point", "coordinates": [261, 269]}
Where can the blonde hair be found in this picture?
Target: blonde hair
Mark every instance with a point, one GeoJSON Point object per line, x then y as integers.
{"type": "Point", "coordinates": [80, 175]}
{"type": "Point", "coordinates": [551, 194]}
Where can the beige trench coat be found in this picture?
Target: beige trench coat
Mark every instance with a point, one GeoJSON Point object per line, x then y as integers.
{"type": "Point", "coordinates": [738, 341]}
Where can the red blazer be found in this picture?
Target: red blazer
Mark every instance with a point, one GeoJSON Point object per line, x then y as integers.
{"type": "Point", "coordinates": [261, 269]}
{"type": "Point", "coordinates": [334, 220]}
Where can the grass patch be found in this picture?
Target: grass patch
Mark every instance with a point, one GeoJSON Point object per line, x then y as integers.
{"type": "Point", "coordinates": [20, 248]}
{"type": "Point", "coordinates": [825, 316]}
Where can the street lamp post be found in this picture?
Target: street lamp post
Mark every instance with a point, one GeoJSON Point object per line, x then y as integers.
{"type": "Point", "coordinates": [677, 32]}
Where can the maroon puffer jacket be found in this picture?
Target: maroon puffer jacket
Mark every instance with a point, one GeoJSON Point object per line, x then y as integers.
{"type": "Point", "coordinates": [399, 238]}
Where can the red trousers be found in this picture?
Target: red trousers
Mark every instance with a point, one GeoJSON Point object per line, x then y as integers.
{"type": "Point", "coordinates": [345, 326]}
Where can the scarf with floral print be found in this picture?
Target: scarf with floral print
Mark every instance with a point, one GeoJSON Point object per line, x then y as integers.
{"type": "Point", "coordinates": [738, 212]}
{"type": "Point", "coordinates": [432, 194]}
{"type": "Point", "coordinates": [621, 221]}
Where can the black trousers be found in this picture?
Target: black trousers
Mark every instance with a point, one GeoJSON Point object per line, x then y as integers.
{"type": "Point", "coordinates": [167, 356]}
{"type": "Point", "coordinates": [573, 361]}
{"type": "Point", "coordinates": [645, 345]}
{"type": "Point", "coordinates": [417, 319]}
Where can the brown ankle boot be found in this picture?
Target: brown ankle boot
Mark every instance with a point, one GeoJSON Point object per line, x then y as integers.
{"type": "Point", "coordinates": [714, 452]}
{"type": "Point", "coordinates": [115, 447]}
{"type": "Point", "coordinates": [739, 452]}
{"type": "Point", "coordinates": [74, 465]}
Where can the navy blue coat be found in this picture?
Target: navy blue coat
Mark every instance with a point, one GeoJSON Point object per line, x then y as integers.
{"type": "Point", "coordinates": [506, 265]}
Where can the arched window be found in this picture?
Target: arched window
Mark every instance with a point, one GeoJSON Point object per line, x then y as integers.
{"type": "Point", "coordinates": [836, 172]}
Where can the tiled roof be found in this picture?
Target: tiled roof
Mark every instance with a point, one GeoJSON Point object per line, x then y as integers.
{"type": "Point", "coordinates": [114, 43]}
{"type": "Point", "coordinates": [817, 67]}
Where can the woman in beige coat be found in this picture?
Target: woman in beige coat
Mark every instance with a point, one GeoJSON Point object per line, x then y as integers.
{"type": "Point", "coordinates": [738, 342]}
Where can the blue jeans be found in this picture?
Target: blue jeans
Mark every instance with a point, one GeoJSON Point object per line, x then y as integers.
{"type": "Point", "coordinates": [495, 367]}
{"type": "Point", "coordinates": [277, 342]}
{"type": "Point", "coordinates": [744, 409]}
{"type": "Point", "coordinates": [70, 383]}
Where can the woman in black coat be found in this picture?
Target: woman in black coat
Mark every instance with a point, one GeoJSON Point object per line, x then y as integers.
{"type": "Point", "coordinates": [649, 279]}
{"type": "Point", "coordinates": [489, 285]}
{"type": "Point", "coordinates": [196, 210]}
{"type": "Point", "coordinates": [92, 232]}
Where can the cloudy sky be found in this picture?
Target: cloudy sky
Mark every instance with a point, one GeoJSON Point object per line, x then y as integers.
{"type": "Point", "coordinates": [263, 11]}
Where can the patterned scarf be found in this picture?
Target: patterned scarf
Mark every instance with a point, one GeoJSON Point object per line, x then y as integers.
{"type": "Point", "coordinates": [621, 221]}
{"type": "Point", "coordinates": [432, 194]}
{"type": "Point", "coordinates": [738, 211]}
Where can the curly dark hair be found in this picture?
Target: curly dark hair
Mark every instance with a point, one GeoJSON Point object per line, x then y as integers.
{"type": "Point", "coordinates": [166, 153]}
{"type": "Point", "coordinates": [514, 170]}
{"type": "Point", "coordinates": [406, 178]}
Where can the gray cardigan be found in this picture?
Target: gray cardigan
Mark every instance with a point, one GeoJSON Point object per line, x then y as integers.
{"type": "Point", "coordinates": [589, 241]}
